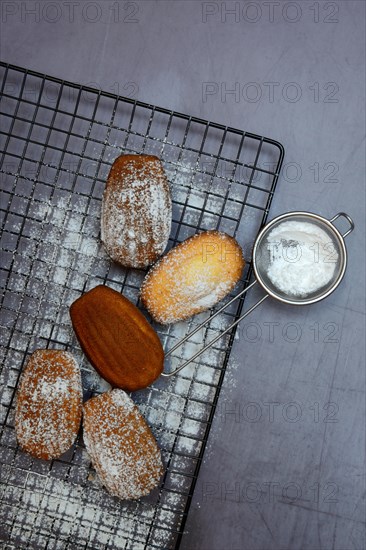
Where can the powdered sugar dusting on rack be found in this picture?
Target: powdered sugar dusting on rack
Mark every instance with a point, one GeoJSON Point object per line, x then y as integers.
{"type": "Point", "coordinates": [53, 190]}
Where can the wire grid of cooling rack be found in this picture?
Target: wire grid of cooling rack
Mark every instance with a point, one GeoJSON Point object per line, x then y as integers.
{"type": "Point", "coordinates": [58, 141]}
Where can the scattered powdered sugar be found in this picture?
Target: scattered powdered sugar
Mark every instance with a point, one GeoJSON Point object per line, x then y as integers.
{"type": "Point", "coordinates": [208, 298]}
{"type": "Point", "coordinates": [63, 255]}
{"type": "Point", "coordinates": [121, 399]}
{"type": "Point", "coordinates": [53, 389]}
{"type": "Point", "coordinates": [47, 506]}
{"type": "Point", "coordinates": [302, 258]}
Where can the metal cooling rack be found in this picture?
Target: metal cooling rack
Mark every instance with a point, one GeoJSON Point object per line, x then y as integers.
{"type": "Point", "coordinates": [58, 141]}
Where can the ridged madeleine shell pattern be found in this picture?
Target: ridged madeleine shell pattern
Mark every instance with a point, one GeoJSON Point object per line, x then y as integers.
{"type": "Point", "coordinates": [117, 339]}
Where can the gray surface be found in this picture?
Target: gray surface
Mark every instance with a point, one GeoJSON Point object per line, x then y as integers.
{"type": "Point", "coordinates": [248, 492]}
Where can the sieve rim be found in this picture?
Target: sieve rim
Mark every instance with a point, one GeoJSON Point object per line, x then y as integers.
{"type": "Point", "coordinates": [309, 216]}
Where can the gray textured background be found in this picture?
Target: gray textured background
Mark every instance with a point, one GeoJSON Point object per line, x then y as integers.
{"type": "Point", "coordinates": [284, 467]}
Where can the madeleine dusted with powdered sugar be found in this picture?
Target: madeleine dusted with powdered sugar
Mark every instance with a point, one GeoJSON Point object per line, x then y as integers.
{"type": "Point", "coordinates": [192, 277]}
{"type": "Point", "coordinates": [49, 404]}
{"type": "Point", "coordinates": [136, 211]}
{"type": "Point", "coordinates": [121, 446]}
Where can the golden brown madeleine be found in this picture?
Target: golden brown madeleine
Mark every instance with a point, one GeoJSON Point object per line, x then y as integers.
{"type": "Point", "coordinates": [117, 339]}
{"type": "Point", "coordinates": [192, 277]}
{"type": "Point", "coordinates": [49, 404]}
{"type": "Point", "coordinates": [136, 211]}
{"type": "Point", "coordinates": [121, 446]}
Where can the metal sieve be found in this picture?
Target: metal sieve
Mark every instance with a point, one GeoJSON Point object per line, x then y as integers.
{"type": "Point", "coordinates": [337, 254]}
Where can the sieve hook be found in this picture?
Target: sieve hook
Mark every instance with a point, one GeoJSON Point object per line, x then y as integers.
{"type": "Point", "coordinates": [348, 218]}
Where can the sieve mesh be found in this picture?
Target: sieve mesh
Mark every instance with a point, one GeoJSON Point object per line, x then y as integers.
{"type": "Point", "coordinates": [325, 253]}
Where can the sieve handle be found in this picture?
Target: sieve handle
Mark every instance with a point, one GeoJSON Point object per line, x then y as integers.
{"type": "Point", "coordinates": [348, 218]}
{"type": "Point", "coordinates": [207, 346]}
